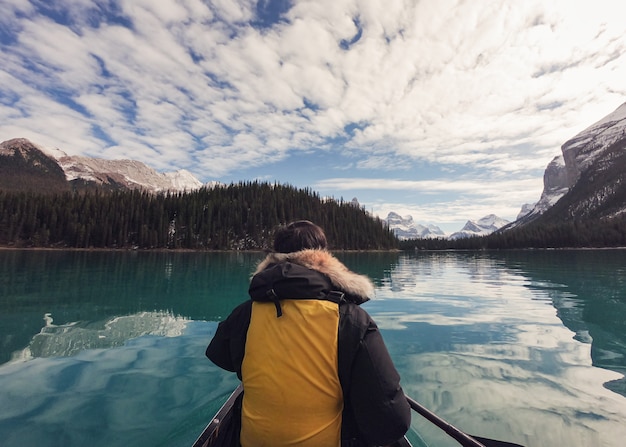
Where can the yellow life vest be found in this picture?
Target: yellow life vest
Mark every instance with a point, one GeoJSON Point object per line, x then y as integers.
{"type": "Point", "coordinates": [292, 392]}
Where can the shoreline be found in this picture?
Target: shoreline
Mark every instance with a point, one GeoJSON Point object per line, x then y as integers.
{"type": "Point", "coordinates": [190, 250]}
{"type": "Point", "coordinates": [174, 250]}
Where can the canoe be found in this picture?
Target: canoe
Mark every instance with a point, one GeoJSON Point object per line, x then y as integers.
{"type": "Point", "coordinates": [220, 430]}
{"type": "Point", "coordinates": [214, 434]}
{"type": "Point", "coordinates": [217, 432]}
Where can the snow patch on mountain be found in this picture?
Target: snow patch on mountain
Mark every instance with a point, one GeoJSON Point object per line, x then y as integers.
{"type": "Point", "coordinates": [53, 152]}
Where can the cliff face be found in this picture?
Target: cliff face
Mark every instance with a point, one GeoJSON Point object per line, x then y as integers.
{"type": "Point", "coordinates": [589, 147]}
{"type": "Point", "coordinates": [589, 178]}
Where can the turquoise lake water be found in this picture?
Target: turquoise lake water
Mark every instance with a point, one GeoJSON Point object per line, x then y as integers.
{"type": "Point", "coordinates": [107, 348]}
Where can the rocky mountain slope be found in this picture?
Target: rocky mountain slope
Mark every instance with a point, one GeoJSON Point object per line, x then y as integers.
{"type": "Point", "coordinates": [588, 180]}
{"type": "Point", "coordinates": [27, 166]}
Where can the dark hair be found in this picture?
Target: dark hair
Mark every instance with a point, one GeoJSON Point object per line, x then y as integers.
{"type": "Point", "coordinates": [299, 235]}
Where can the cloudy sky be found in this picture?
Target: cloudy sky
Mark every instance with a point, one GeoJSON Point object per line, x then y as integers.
{"type": "Point", "coordinates": [445, 110]}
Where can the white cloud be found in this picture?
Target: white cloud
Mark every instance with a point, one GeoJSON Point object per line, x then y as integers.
{"type": "Point", "coordinates": [489, 86]}
{"type": "Point", "coordinates": [471, 186]}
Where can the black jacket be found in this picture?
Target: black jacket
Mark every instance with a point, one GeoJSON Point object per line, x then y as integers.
{"type": "Point", "coordinates": [375, 409]}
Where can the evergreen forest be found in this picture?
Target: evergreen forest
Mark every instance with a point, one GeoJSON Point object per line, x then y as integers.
{"type": "Point", "coordinates": [239, 216]}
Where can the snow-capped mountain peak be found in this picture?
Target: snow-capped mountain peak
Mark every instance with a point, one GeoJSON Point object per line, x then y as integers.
{"type": "Point", "coordinates": [492, 222]}
{"type": "Point", "coordinates": [481, 227]}
{"type": "Point", "coordinates": [406, 228]}
{"type": "Point", "coordinates": [183, 180]}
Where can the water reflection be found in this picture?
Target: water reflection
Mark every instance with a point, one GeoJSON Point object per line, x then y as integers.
{"type": "Point", "coordinates": [586, 287]}
{"type": "Point", "coordinates": [504, 345]}
{"type": "Point", "coordinates": [91, 287]}
{"type": "Point", "coordinates": [588, 290]}
{"type": "Point", "coordinates": [477, 340]}
{"type": "Point", "coordinates": [152, 391]}
{"type": "Point", "coordinates": [69, 339]}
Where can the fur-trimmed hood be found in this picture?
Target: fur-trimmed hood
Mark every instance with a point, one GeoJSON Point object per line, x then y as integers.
{"type": "Point", "coordinates": [357, 287]}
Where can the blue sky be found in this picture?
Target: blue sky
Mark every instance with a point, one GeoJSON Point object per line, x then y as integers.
{"type": "Point", "coordinates": [444, 110]}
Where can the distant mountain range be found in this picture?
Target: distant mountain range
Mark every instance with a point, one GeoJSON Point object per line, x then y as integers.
{"type": "Point", "coordinates": [406, 228]}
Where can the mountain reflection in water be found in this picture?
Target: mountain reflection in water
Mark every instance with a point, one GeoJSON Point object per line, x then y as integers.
{"type": "Point", "coordinates": [71, 338]}
{"type": "Point", "coordinates": [588, 290]}
{"type": "Point", "coordinates": [477, 340]}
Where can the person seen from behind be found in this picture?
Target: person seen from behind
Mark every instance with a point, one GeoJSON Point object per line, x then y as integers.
{"type": "Point", "coordinates": [314, 367]}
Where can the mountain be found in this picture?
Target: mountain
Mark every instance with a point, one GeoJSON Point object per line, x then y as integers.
{"type": "Point", "coordinates": [481, 227]}
{"type": "Point", "coordinates": [588, 179]}
{"type": "Point", "coordinates": [31, 167]}
{"type": "Point", "coordinates": [23, 167]}
{"type": "Point", "coordinates": [405, 228]}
